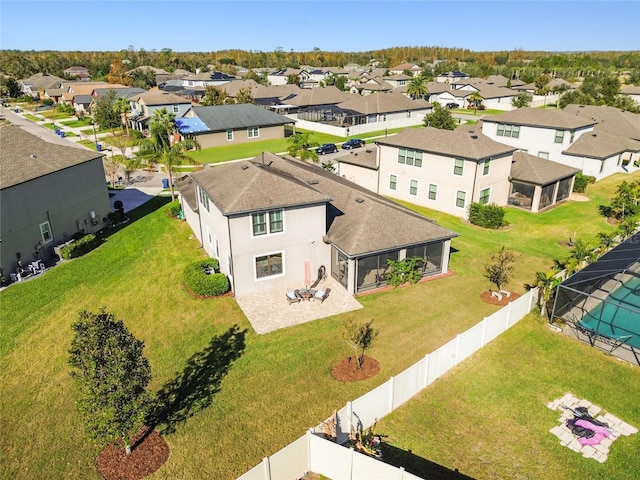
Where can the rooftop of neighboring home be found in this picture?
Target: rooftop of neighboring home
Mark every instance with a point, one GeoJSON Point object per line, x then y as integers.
{"type": "Point", "coordinates": [26, 156]}
{"type": "Point", "coordinates": [240, 115]}
{"type": "Point", "coordinates": [158, 97]}
{"type": "Point", "coordinates": [40, 81]}
{"type": "Point", "coordinates": [485, 90]}
{"type": "Point", "coordinates": [126, 92]}
{"type": "Point", "coordinates": [367, 158]}
{"type": "Point", "coordinates": [406, 66]}
{"type": "Point", "coordinates": [360, 228]}
{"type": "Point", "coordinates": [86, 88]}
{"type": "Point", "coordinates": [280, 92]}
{"type": "Point", "coordinates": [609, 119]}
{"type": "Point", "coordinates": [538, 117]}
{"type": "Point", "coordinates": [538, 171]}
{"type": "Point", "coordinates": [463, 142]}
{"type": "Point", "coordinates": [210, 77]}
{"type": "Point", "coordinates": [602, 145]}
{"type": "Point", "coordinates": [154, 70]}
{"type": "Point", "coordinates": [502, 81]}
{"type": "Point", "coordinates": [234, 86]}
{"type": "Point", "coordinates": [318, 96]}
{"type": "Point", "coordinates": [383, 103]}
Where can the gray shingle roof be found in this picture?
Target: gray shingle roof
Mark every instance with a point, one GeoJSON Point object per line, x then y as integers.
{"type": "Point", "coordinates": [367, 158]}
{"type": "Point", "coordinates": [383, 103]}
{"type": "Point", "coordinates": [538, 117]}
{"type": "Point", "coordinates": [361, 227]}
{"type": "Point", "coordinates": [25, 156]}
{"type": "Point", "coordinates": [463, 142]}
{"type": "Point", "coordinates": [602, 145]}
{"type": "Point", "coordinates": [158, 97]}
{"type": "Point", "coordinates": [538, 171]}
{"type": "Point", "coordinates": [223, 117]}
{"type": "Point", "coordinates": [609, 119]}
{"type": "Point", "coordinates": [318, 96]}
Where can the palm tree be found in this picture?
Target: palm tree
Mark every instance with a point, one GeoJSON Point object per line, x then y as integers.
{"type": "Point", "coordinates": [606, 242]}
{"type": "Point", "coordinates": [476, 100]}
{"type": "Point", "coordinates": [123, 107]}
{"type": "Point", "coordinates": [159, 148]}
{"type": "Point", "coordinates": [300, 144]}
{"type": "Point", "coordinates": [417, 87]}
{"type": "Point", "coordinates": [547, 283]}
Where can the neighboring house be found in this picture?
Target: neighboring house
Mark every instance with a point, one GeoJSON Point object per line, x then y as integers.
{"type": "Point", "coordinates": [318, 97]}
{"type": "Point", "coordinates": [144, 104]}
{"type": "Point", "coordinates": [371, 85]}
{"type": "Point", "coordinates": [399, 80]}
{"type": "Point", "coordinates": [71, 89]}
{"type": "Point", "coordinates": [451, 77]}
{"type": "Point", "coordinates": [502, 81]}
{"type": "Point", "coordinates": [443, 169]}
{"type": "Point", "coordinates": [82, 103]}
{"type": "Point", "coordinates": [206, 79]}
{"type": "Point", "coordinates": [54, 94]}
{"type": "Point", "coordinates": [542, 132]}
{"type": "Point", "coordinates": [275, 95]}
{"type": "Point", "coordinates": [609, 119]}
{"type": "Point", "coordinates": [631, 91]}
{"type": "Point", "coordinates": [281, 77]}
{"type": "Point", "coordinates": [415, 70]}
{"type": "Point", "coordinates": [384, 107]}
{"type": "Point", "coordinates": [360, 167]}
{"type": "Point", "coordinates": [48, 193]}
{"type": "Point", "coordinates": [537, 183]}
{"type": "Point", "coordinates": [81, 73]}
{"type": "Point", "coordinates": [493, 97]}
{"type": "Point", "coordinates": [271, 220]}
{"type": "Point", "coordinates": [37, 84]}
{"type": "Point", "coordinates": [231, 124]}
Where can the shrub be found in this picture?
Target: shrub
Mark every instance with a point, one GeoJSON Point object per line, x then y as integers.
{"type": "Point", "coordinates": [115, 217]}
{"type": "Point", "coordinates": [48, 102]}
{"type": "Point", "coordinates": [79, 247]}
{"type": "Point", "coordinates": [486, 215]}
{"type": "Point", "coordinates": [174, 208]}
{"type": "Point", "coordinates": [406, 270]}
{"type": "Point", "coordinates": [582, 180]}
{"type": "Point", "coordinates": [203, 283]}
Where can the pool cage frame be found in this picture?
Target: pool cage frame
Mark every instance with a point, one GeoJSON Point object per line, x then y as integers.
{"type": "Point", "coordinates": [589, 291]}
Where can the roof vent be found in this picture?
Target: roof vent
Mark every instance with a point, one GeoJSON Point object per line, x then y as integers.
{"type": "Point", "coordinates": [313, 182]}
{"type": "Point", "coordinates": [474, 137]}
{"type": "Point", "coordinates": [359, 199]}
{"type": "Point", "coordinates": [33, 155]}
{"type": "Point", "coordinates": [244, 167]}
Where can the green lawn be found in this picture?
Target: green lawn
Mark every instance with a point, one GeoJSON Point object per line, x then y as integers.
{"type": "Point", "coordinates": [82, 122]}
{"type": "Point", "coordinates": [281, 384]}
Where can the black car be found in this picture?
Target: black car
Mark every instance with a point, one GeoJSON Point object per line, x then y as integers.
{"type": "Point", "coordinates": [452, 105]}
{"type": "Point", "coordinates": [326, 148]}
{"type": "Point", "coordinates": [353, 143]}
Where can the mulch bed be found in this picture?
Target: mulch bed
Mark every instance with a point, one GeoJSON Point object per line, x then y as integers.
{"type": "Point", "coordinates": [488, 298]}
{"type": "Point", "coordinates": [114, 464]}
{"type": "Point", "coordinates": [345, 370]}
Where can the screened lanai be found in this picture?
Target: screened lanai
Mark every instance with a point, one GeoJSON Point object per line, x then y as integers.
{"type": "Point", "coordinates": [601, 303]}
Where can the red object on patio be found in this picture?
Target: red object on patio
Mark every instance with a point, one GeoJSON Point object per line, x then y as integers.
{"type": "Point", "coordinates": [307, 273]}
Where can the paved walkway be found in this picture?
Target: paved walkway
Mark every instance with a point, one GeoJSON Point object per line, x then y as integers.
{"type": "Point", "coordinates": [271, 311]}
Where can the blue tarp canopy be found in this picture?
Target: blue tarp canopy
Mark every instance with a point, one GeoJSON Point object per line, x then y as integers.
{"type": "Point", "coordinates": [191, 125]}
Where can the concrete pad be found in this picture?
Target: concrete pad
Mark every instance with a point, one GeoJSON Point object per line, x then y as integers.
{"type": "Point", "coordinates": [588, 451]}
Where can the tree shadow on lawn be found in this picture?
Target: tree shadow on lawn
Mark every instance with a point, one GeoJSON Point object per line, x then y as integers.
{"type": "Point", "coordinates": [134, 215]}
{"type": "Point", "coordinates": [419, 466]}
{"type": "Point", "coordinates": [193, 389]}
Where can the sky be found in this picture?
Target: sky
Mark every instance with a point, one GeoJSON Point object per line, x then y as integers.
{"type": "Point", "coordinates": [300, 25]}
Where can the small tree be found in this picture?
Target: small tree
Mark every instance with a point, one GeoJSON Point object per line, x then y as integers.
{"type": "Point", "coordinates": [523, 99]}
{"type": "Point", "coordinates": [359, 336]}
{"type": "Point", "coordinates": [440, 118]}
{"type": "Point", "coordinates": [301, 145]}
{"type": "Point", "coordinates": [500, 269]}
{"type": "Point", "coordinates": [112, 375]}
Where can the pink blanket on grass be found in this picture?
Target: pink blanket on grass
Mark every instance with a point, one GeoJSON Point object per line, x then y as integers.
{"type": "Point", "coordinates": [601, 433]}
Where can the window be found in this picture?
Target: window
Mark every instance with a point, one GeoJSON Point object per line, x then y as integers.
{"type": "Point", "coordinates": [458, 166]}
{"type": "Point", "coordinates": [45, 231]}
{"type": "Point", "coordinates": [252, 132]}
{"type": "Point", "coordinates": [559, 136]}
{"type": "Point", "coordinates": [508, 131]}
{"type": "Point", "coordinates": [393, 182]}
{"type": "Point", "coordinates": [229, 134]}
{"type": "Point", "coordinates": [410, 157]}
{"type": "Point", "coordinates": [269, 265]}
{"type": "Point", "coordinates": [408, 113]}
{"type": "Point", "coordinates": [176, 108]}
{"type": "Point", "coordinates": [485, 195]}
{"type": "Point", "coordinates": [433, 191]}
{"type": "Point", "coordinates": [216, 246]}
{"type": "Point", "coordinates": [573, 136]}
{"type": "Point", "coordinates": [543, 154]}
{"type": "Point", "coordinates": [485, 167]}
{"type": "Point", "coordinates": [275, 222]}
{"type": "Point", "coordinates": [204, 198]}
{"type": "Point", "coordinates": [460, 198]}
{"type": "Point", "coordinates": [413, 189]}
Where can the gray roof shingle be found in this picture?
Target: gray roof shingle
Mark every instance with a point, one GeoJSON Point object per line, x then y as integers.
{"type": "Point", "coordinates": [538, 171]}
{"type": "Point", "coordinates": [463, 142]}
{"type": "Point", "coordinates": [25, 156]}
{"type": "Point", "coordinates": [602, 145]}
{"type": "Point", "coordinates": [538, 117]}
{"type": "Point", "coordinates": [609, 119]}
{"type": "Point", "coordinates": [241, 115]}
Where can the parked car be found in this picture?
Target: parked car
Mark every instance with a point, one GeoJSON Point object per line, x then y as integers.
{"type": "Point", "coordinates": [353, 143]}
{"type": "Point", "coordinates": [326, 148]}
{"type": "Point", "coordinates": [452, 105]}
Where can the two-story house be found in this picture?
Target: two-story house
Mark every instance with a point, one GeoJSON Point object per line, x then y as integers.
{"type": "Point", "coordinates": [443, 169]}
{"type": "Point", "coordinates": [48, 192]}
{"type": "Point", "coordinates": [144, 104]}
{"type": "Point", "coordinates": [270, 220]}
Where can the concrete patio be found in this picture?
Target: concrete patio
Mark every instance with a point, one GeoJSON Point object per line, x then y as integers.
{"type": "Point", "coordinates": [271, 311]}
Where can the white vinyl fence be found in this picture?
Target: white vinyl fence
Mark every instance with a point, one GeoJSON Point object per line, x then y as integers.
{"type": "Point", "coordinates": [357, 129]}
{"type": "Point", "coordinates": [313, 452]}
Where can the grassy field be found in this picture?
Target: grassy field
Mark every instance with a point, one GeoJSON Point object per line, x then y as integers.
{"type": "Point", "coordinates": [280, 383]}
{"type": "Point", "coordinates": [82, 122]}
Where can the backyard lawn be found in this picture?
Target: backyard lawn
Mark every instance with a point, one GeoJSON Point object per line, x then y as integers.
{"type": "Point", "coordinates": [280, 384]}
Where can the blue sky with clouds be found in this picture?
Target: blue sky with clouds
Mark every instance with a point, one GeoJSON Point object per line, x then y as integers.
{"type": "Point", "coordinates": [347, 25]}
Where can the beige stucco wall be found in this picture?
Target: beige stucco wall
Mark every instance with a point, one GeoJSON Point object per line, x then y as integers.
{"type": "Point", "coordinates": [219, 139]}
{"type": "Point", "coordinates": [365, 177]}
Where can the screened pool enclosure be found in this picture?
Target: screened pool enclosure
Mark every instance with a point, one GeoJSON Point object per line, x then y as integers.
{"type": "Point", "coordinates": [601, 303]}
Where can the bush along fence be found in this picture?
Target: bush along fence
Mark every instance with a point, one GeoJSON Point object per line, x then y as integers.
{"type": "Point", "coordinates": [315, 453]}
